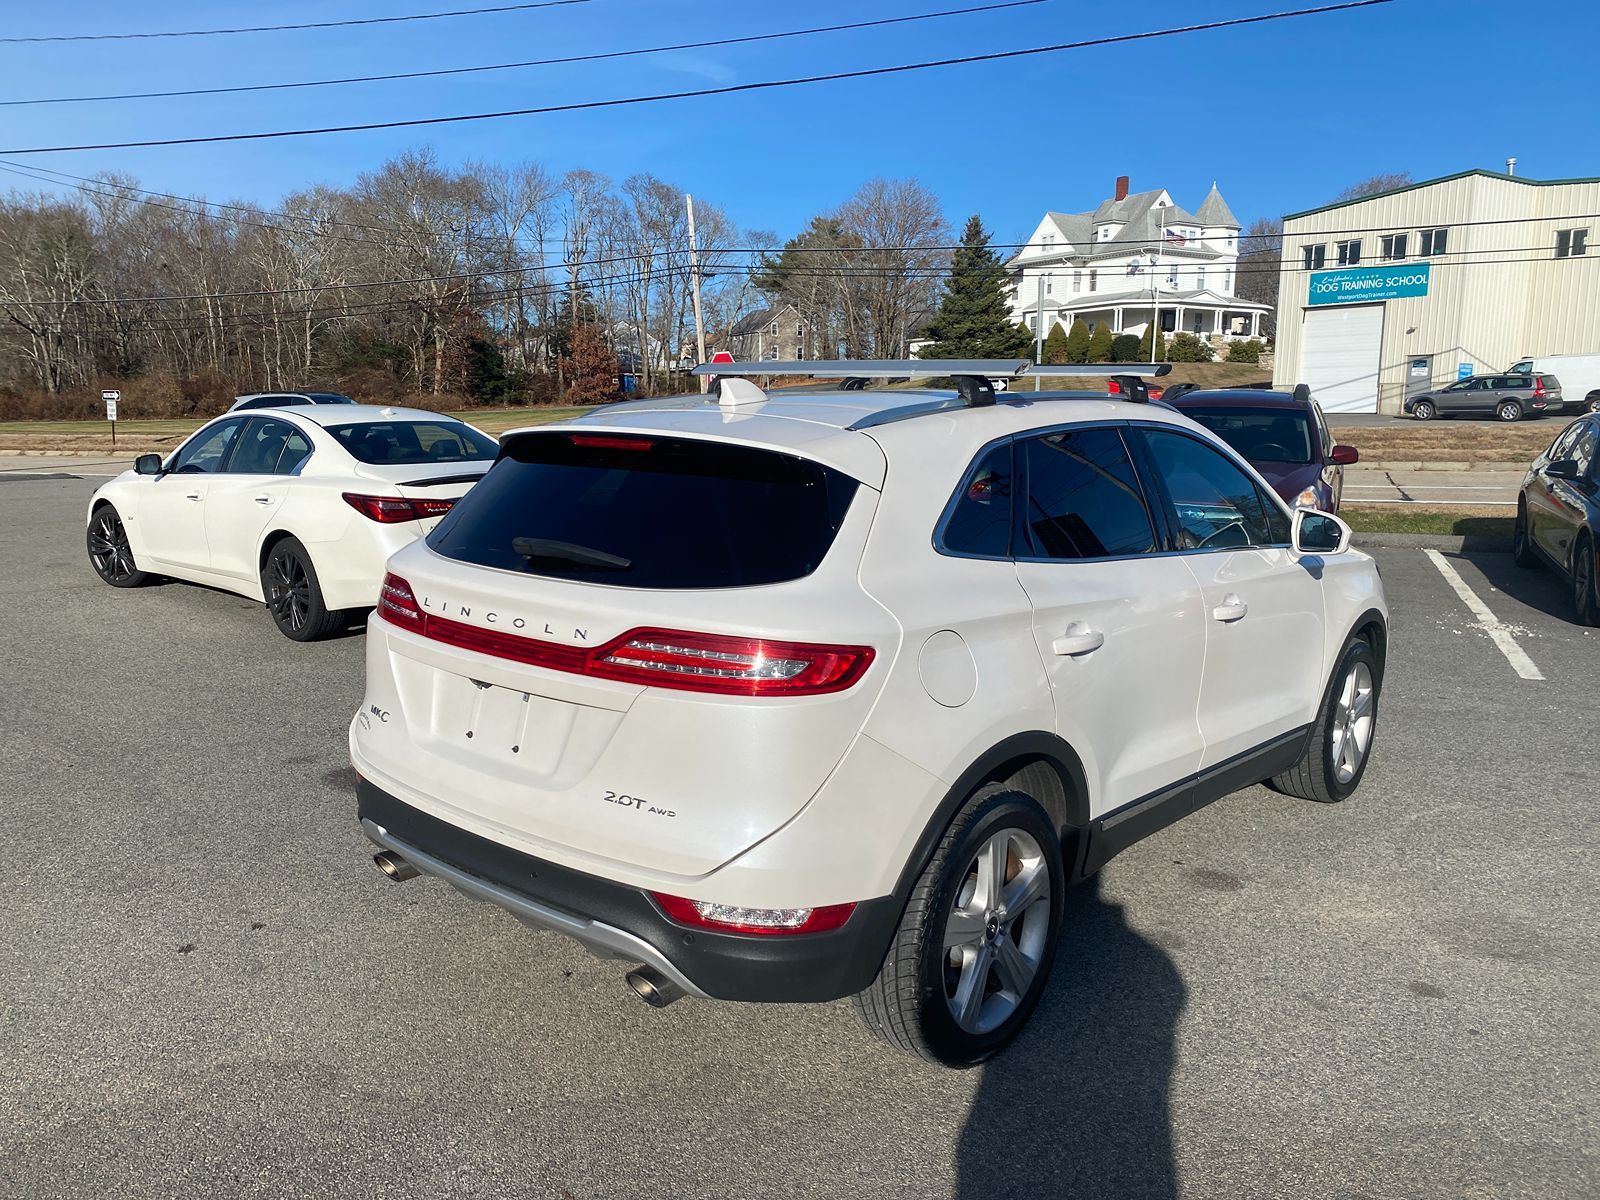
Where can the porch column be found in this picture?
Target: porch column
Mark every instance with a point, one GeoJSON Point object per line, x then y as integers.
{"type": "Point", "coordinates": [1255, 325]}
{"type": "Point", "coordinates": [1116, 320]}
{"type": "Point", "coordinates": [1177, 322]}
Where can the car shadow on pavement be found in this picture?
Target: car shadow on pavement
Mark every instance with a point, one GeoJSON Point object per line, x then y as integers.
{"type": "Point", "coordinates": [1538, 587]}
{"type": "Point", "coordinates": [1077, 1107]}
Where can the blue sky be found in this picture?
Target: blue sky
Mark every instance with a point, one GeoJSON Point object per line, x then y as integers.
{"type": "Point", "coordinates": [1282, 115]}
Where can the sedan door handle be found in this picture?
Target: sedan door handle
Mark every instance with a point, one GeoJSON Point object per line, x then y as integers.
{"type": "Point", "coordinates": [1231, 609]}
{"type": "Point", "coordinates": [1079, 639]}
{"type": "Point", "coordinates": [193, 496]}
{"type": "Point", "coordinates": [263, 499]}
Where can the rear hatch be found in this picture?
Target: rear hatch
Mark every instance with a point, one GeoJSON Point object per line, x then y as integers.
{"type": "Point", "coordinates": [648, 649]}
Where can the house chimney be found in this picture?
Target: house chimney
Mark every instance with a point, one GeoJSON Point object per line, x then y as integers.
{"type": "Point", "coordinates": [1511, 166]}
{"type": "Point", "coordinates": [1122, 187]}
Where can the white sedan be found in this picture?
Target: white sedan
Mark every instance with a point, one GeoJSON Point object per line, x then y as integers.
{"type": "Point", "coordinates": [297, 507]}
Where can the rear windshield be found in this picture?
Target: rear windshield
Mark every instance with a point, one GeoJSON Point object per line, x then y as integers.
{"type": "Point", "coordinates": [412, 443]}
{"type": "Point", "coordinates": [1259, 434]}
{"type": "Point", "coordinates": [648, 512]}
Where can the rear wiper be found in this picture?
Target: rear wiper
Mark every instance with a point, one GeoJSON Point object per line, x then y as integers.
{"type": "Point", "coordinates": [587, 556]}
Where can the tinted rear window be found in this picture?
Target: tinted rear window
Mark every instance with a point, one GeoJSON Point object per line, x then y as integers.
{"type": "Point", "coordinates": [1259, 434]}
{"type": "Point", "coordinates": [412, 443]}
{"type": "Point", "coordinates": [648, 512]}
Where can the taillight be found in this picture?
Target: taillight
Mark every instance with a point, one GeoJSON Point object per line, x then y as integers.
{"type": "Point", "coordinates": [397, 604]}
{"type": "Point", "coordinates": [598, 441]}
{"type": "Point", "coordinates": [688, 662]}
{"type": "Point", "coordinates": [1538, 385]}
{"type": "Point", "coordinates": [388, 510]}
{"type": "Point", "coordinates": [730, 918]}
{"type": "Point", "coordinates": [1113, 388]}
{"type": "Point", "coordinates": [732, 666]}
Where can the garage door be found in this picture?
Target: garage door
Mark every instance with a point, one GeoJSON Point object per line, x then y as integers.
{"type": "Point", "coordinates": [1340, 356]}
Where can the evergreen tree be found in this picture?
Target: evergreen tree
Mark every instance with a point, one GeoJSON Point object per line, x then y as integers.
{"type": "Point", "coordinates": [1055, 346]}
{"type": "Point", "coordinates": [1125, 348]}
{"type": "Point", "coordinates": [1100, 344]}
{"type": "Point", "coordinates": [1078, 343]}
{"type": "Point", "coordinates": [1158, 352]}
{"type": "Point", "coordinates": [591, 366]}
{"type": "Point", "coordinates": [974, 319]}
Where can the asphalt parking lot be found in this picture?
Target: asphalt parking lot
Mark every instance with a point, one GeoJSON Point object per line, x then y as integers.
{"type": "Point", "coordinates": [210, 991]}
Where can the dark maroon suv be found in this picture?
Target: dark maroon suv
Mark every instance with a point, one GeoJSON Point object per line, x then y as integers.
{"type": "Point", "coordinates": [1283, 435]}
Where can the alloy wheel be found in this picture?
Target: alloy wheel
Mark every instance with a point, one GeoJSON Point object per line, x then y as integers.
{"type": "Point", "coordinates": [108, 546]}
{"type": "Point", "coordinates": [1423, 411]}
{"type": "Point", "coordinates": [1583, 595]}
{"type": "Point", "coordinates": [289, 593]}
{"type": "Point", "coordinates": [1510, 412]}
{"type": "Point", "coordinates": [1350, 735]}
{"type": "Point", "coordinates": [997, 932]}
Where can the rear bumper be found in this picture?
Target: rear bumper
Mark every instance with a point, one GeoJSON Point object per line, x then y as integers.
{"type": "Point", "coordinates": [617, 921]}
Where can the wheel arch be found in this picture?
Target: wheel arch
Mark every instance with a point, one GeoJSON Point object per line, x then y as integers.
{"type": "Point", "coordinates": [270, 539]}
{"type": "Point", "coordinates": [1036, 762]}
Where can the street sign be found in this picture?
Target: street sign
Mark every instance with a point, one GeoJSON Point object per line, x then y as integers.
{"type": "Point", "coordinates": [111, 396]}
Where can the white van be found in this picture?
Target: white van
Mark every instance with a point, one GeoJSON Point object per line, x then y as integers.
{"type": "Point", "coordinates": [1579, 375]}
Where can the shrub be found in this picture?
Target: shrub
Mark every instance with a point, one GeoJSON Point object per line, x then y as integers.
{"type": "Point", "coordinates": [1100, 344]}
{"type": "Point", "coordinates": [1245, 352]}
{"type": "Point", "coordinates": [1078, 343]}
{"type": "Point", "coordinates": [1055, 345]}
{"type": "Point", "coordinates": [1186, 348]}
{"type": "Point", "coordinates": [1125, 348]}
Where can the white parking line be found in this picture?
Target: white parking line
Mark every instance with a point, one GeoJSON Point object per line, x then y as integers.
{"type": "Point", "coordinates": [1414, 500]}
{"type": "Point", "coordinates": [1492, 625]}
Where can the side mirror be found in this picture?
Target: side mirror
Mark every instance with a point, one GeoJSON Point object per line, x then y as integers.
{"type": "Point", "coordinates": [1562, 468]}
{"type": "Point", "coordinates": [1319, 533]}
{"type": "Point", "coordinates": [148, 464]}
{"type": "Point", "coordinates": [1345, 455]}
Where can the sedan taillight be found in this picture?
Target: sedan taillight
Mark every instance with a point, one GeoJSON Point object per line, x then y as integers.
{"type": "Point", "coordinates": [689, 662]}
{"type": "Point", "coordinates": [389, 510]}
{"type": "Point", "coordinates": [729, 918]}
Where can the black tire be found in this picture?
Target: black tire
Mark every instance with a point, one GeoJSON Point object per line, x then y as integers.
{"type": "Point", "coordinates": [1424, 410]}
{"type": "Point", "coordinates": [1508, 410]}
{"type": "Point", "coordinates": [1521, 544]}
{"type": "Point", "coordinates": [1592, 404]}
{"type": "Point", "coordinates": [1317, 775]}
{"type": "Point", "coordinates": [293, 595]}
{"type": "Point", "coordinates": [909, 1005]}
{"type": "Point", "coordinates": [1585, 591]}
{"type": "Point", "coordinates": [109, 552]}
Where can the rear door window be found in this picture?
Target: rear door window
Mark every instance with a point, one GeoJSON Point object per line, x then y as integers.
{"type": "Point", "coordinates": [1083, 498]}
{"type": "Point", "coordinates": [648, 512]}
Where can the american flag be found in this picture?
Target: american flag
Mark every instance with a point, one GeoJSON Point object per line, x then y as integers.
{"type": "Point", "coordinates": [1176, 238]}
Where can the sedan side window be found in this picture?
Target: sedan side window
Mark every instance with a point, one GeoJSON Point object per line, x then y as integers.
{"type": "Point", "coordinates": [206, 452]}
{"type": "Point", "coordinates": [1083, 498]}
{"type": "Point", "coordinates": [1583, 448]}
{"type": "Point", "coordinates": [1217, 505]}
{"type": "Point", "coordinates": [979, 523]}
{"type": "Point", "coordinates": [296, 450]}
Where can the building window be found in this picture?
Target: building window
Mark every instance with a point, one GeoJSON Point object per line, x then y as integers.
{"type": "Point", "coordinates": [1227, 283]}
{"type": "Point", "coordinates": [1092, 277]}
{"type": "Point", "coordinates": [1077, 281]}
{"type": "Point", "coordinates": [1049, 240]}
{"type": "Point", "coordinates": [1349, 252]}
{"type": "Point", "coordinates": [1314, 256]}
{"type": "Point", "coordinates": [1433, 241]}
{"type": "Point", "coordinates": [1393, 246]}
{"type": "Point", "coordinates": [1049, 283]}
{"type": "Point", "coordinates": [1172, 276]}
{"type": "Point", "coordinates": [1200, 278]}
{"type": "Point", "coordinates": [1570, 243]}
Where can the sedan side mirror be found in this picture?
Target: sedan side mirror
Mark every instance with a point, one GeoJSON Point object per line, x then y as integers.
{"type": "Point", "coordinates": [1345, 455]}
{"type": "Point", "coordinates": [1319, 533]}
{"type": "Point", "coordinates": [1563, 468]}
{"type": "Point", "coordinates": [148, 464]}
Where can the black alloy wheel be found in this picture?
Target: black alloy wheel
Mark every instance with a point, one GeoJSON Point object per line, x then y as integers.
{"type": "Point", "coordinates": [109, 552]}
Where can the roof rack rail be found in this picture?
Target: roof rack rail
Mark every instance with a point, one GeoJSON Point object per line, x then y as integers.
{"type": "Point", "coordinates": [973, 377]}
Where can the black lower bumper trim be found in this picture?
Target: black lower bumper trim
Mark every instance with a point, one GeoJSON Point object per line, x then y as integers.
{"type": "Point", "coordinates": [808, 968]}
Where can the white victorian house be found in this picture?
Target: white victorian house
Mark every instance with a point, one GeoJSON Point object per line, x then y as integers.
{"type": "Point", "coordinates": [1133, 259]}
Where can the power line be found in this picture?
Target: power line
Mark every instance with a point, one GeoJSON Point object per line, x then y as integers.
{"type": "Point", "coordinates": [433, 16]}
{"type": "Point", "coordinates": [538, 62]}
{"type": "Point", "coordinates": [727, 90]}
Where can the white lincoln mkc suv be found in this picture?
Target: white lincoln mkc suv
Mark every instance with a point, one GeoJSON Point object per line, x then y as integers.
{"type": "Point", "coordinates": [797, 696]}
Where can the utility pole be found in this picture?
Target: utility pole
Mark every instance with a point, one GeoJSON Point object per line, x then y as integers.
{"type": "Point", "coordinates": [1038, 329]}
{"type": "Point", "coordinates": [694, 279]}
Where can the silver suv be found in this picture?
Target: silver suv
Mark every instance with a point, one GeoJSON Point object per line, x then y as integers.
{"type": "Point", "coordinates": [1506, 397]}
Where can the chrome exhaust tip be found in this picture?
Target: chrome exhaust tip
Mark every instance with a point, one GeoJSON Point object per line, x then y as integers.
{"type": "Point", "coordinates": [395, 867]}
{"type": "Point", "coordinates": [654, 988]}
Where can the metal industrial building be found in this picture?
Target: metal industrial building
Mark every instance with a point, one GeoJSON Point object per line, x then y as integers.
{"type": "Point", "coordinates": [1411, 288]}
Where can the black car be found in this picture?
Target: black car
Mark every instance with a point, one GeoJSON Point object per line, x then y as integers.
{"type": "Point", "coordinates": [1558, 513]}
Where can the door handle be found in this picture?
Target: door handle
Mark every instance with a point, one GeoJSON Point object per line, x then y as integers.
{"type": "Point", "coordinates": [263, 499]}
{"type": "Point", "coordinates": [1231, 609]}
{"type": "Point", "coordinates": [1078, 639]}
{"type": "Point", "coordinates": [193, 496]}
